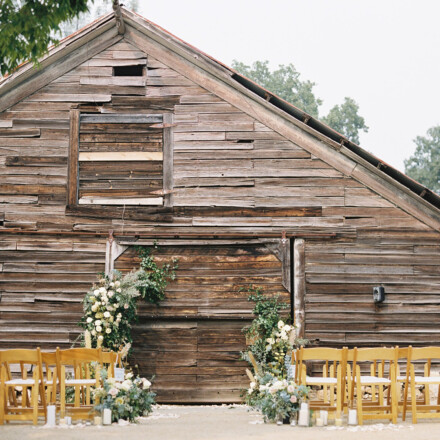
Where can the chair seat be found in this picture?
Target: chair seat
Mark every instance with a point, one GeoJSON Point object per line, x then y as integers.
{"type": "Point", "coordinates": [321, 380]}
{"type": "Point", "coordinates": [367, 380]}
{"type": "Point", "coordinates": [427, 379]}
{"type": "Point", "coordinates": [80, 382]}
{"type": "Point", "coordinates": [18, 382]}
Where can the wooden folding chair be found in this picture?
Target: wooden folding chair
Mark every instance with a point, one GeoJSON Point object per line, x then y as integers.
{"type": "Point", "coordinates": [332, 379]}
{"type": "Point", "coordinates": [51, 375]}
{"type": "Point", "coordinates": [109, 359]}
{"type": "Point", "coordinates": [422, 409]}
{"type": "Point", "coordinates": [379, 360]}
{"type": "Point", "coordinates": [83, 364]}
{"type": "Point", "coordinates": [11, 406]}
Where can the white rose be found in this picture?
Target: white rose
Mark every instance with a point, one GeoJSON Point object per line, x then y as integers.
{"type": "Point", "coordinates": [125, 306]}
{"type": "Point", "coordinates": [112, 284]}
{"type": "Point", "coordinates": [102, 290]}
{"type": "Point", "coordinates": [117, 283]}
{"type": "Point", "coordinates": [110, 294]}
{"type": "Point", "coordinates": [119, 290]}
{"type": "Point", "coordinates": [108, 331]}
{"type": "Point", "coordinates": [146, 384]}
{"type": "Point", "coordinates": [252, 385]}
{"type": "Point", "coordinates": [126, 385]}
{"type": "Point", "coordinates": [106, 314]}
{"type": "Point", "coordinates": [89, 320]}
{"type": "Point", "coordinates": [129, 375]}
{"type": "Point", "coordinates": [280, 324]}
{"type": "Point", "coordinates": [94, 307]}
{"type": "Point", "coordinates": [119, 315]}
{"type": "Point", "coordinates": [109, 308]}
{"type": "Point", "coordinates": [98, 322]}
{"type": "Point", "coordinates": [96, 292]}
{"type": "Point", "coordinates": [98, 328]}
{"type": "Point", "coordinates": [93, 332]}
{"type": "Point", "coordinates": [100, 338]}
{"type": "Point", "coordinates": [287, 328]}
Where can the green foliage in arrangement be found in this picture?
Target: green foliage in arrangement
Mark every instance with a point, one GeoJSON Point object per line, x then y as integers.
{"type": "Point", "coordinates": [424, 164]}
{"type": "Point", "coordinates": [111, 303]}
{"type": "Point", "coordinates": [27, 28]}
{"type": "Point", "coordinates": [127, 400]}
{"type": "Point", "coordinates": [152, 279]}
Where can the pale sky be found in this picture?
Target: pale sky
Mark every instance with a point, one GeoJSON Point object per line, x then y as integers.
{"type": "Point", "coordinates": [385, 54]}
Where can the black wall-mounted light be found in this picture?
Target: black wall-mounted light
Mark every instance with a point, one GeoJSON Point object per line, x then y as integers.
{"type": "Point", "coordinates": [379, 294]}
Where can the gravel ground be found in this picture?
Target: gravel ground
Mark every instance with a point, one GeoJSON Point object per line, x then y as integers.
{"type": "Point", "coordinates": [219, 423]}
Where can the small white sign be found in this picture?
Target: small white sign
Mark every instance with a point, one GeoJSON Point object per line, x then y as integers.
{"type": "Point", "coordinates": [120, 374]}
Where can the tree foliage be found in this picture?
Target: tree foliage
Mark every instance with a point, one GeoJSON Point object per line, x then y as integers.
{"type": "Point", "coordinates": [424, 164]}
{"type": "Point", "coordinates": [27, 28]}
{"type": "Point", "coordinates": [345, 119]}
{"type": "Point", "coordinates": [284, 82]}
{"type": "Point", "coordinates": [287, 84]}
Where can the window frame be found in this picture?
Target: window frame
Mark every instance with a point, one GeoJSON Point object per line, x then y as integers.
{"type": "Point", "coordinates": [167, 156]}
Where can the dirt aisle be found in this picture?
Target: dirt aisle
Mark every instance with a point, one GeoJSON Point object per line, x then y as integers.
{"type": "Point", "coordinates": [220, 423]}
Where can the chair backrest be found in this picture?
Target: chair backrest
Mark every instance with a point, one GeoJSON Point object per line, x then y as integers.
{"type": "Point", "coordinates": [75, 356]}
{"type": "Point", "coordinates": [427, 353]}
{"type": "Point", "coordinates": [21, 356]}
{"type": "Point", "coordinates": [376, 354]}
{"type": "Point", "coordinates": [110, 358]}
{"type": "Point", "coordinates": [322, 353]}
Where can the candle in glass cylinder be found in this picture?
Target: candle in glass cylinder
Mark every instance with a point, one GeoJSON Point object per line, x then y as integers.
{"type": "Point", "coordinates": [51, 418]}
{"type": "Point", "coordinates": [304, 415]}
{"type": "Point", "coordinates": [352, 417]}
{"type": "Point", "coordinates": [107, 417]}
{"type": "Point", "coordinates": [324, 417]}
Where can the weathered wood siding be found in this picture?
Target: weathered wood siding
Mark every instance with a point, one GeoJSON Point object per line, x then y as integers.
{"type": "Point", "coordinates": [192, 341]}
{"type": "Point", "coordinates": [231, 174]}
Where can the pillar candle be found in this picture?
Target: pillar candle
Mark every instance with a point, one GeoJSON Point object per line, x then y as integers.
{"type": "Point", "coordinates": [97, 420]}
{"type": "Point", "coordinates": [68, 420]}
{"type": "Point", "coordinates": [51, 418]}
{"type": "Point", "coordinates": [324, 417]}
{"type": "Point", "coordinates": [352, 417]}
{"type": "Point", "coordinates": [107, 417]}
{"type": "Point", "coordinates": [304, 415]}
{"type": "Point", "coordinates": [319, 421]}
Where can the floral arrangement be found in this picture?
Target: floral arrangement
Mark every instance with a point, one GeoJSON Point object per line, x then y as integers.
{"type": "Point", "coordinates": [127, 400]}
{"type": "Point", "coordinates": [278, 346]}
{"type": "Point", "coordinates": [275, 398]}
{"type": "Point", "coordinates": [109, 309]}
{"type": "Point", "coordinates": [110, 305]}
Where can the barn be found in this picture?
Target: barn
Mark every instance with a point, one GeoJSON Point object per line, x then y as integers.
{"type": "Point", "coordinates": [127, 135]}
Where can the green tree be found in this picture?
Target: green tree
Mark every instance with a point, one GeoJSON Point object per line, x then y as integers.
{"type": "Point", "coordinates": [284, 82]}
{"type": "Point", "coordinates": [345, 119]}
{"type": "Point", "coordinates": [424, 164]}
{"type": "Point", "coordinates": [27, 28]}
{"type": "Point", "coordinates": [287, 84]}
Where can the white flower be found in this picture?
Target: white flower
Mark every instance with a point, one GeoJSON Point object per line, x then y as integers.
{"type": "Point", "coordinates": [126, 306]}
{"type": "Point", "coordinates": [112, 284]}
{"type": "Point", "coordinates": [291, 389]}
{"type": "Point", "coordinates": [98, 328]}
{"type": "Point", "coordinates": [89, 320]}
{"type": "Point", "coordinates": [93, 332]}
{"type": "Point", "coordinates": [100, 338]}
{"type": "Point", "coordinates": [270, 340]}
{"type": "Point", "coordinates": [108, 331]}
{"type": "Point", "coordinates": [96, 292]}
{"type": "Point", "coordinates": [119, 290]}
{"type": "Point", "coordinates": [110, 293]}
{"type": "Point", "coordinates": [107, 315]}
{"type": "Point", "coordinates": [129, 375]}
{"type": "Point", "coordinates": [287, 328]}
{"type": "Point", "coordinates": [126, 385]}
{"type": "Point", "coordinates": [119, 315]}
{"type": "Point", "coordinates": [145, 384]}
{"type": "Point", "coordinates": [280, 324]}
{"type": "Point", "coordinates": [102, 290]}
{"type": "Point", "coordinates": [252, 385]}
{"type": "Point", "coordinates": [98, 322]}
{"type": "Point", "coordinates": [117, 283]}
{"type": "Point", "coordinates": [94, 307]}
{"type": "Point", "coordinates": [109, 307]}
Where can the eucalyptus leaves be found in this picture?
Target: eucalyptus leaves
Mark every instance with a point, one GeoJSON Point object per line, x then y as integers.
{"type": "Point", "coordinates": [110, 305]}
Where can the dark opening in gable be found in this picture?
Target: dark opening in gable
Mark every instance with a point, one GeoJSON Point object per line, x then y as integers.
{"type": "Point", "coordinates": [136, 70]}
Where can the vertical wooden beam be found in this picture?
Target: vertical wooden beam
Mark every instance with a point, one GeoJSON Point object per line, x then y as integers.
{"type": "Point", "coordinates": [168, 159]}
{"type": "Point", "coordinates": [113, 250]}
{"type": "Point", "coordinates": [299, 283]}
{"type": "Point", "coordinates": [72, 171]}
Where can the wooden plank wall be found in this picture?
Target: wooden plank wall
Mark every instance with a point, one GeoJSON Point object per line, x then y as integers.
{"type": "Point", "coordinates": [192, 341]}
{"type": "Point", "coordinates": [231, 175]}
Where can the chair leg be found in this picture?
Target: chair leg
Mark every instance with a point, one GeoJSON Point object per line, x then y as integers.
{"type": "Point", "coordinates": [34, 400]}
{"type": "Point", "coordinates": [63, 393]}
{"type": "Point", "coordinates": [359, 396]}
{"type": "Point", "coordinates": [2, 404]}
{"type": "Point", "coordinates": [338, 394]}
{"type": "Point", "coordinates": [394, 402]}
{"type": "Point", "coordinates": [413, 397]}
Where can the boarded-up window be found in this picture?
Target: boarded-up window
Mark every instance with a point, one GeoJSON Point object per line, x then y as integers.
{"type": "Point", "coordinates": [117, 159]}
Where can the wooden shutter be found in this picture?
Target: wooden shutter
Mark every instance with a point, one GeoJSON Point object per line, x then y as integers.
{"type": "Point", "coordinates": [120, 159]}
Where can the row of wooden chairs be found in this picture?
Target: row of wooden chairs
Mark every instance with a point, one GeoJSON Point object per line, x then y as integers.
{"type": "Point", "coordinates": [342, 376]}
{"type": "Point", "coordinates": [25, 396]}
